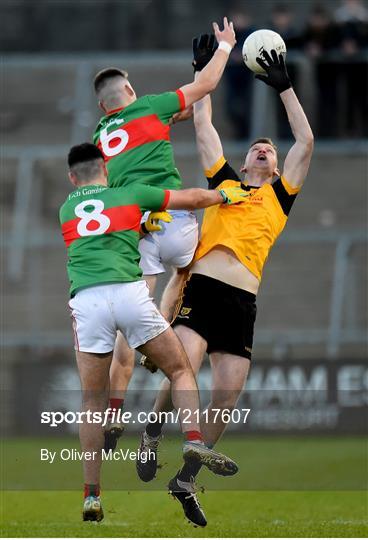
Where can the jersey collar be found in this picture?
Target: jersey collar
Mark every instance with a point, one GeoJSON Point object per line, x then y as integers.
{"type": "Point", "coordinates": [250, 187]}
{"type": "Point", "coordinates": [113, 111]}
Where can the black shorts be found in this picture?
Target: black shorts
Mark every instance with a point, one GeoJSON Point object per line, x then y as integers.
{"type": "Point", "coordinates": [222, 314]}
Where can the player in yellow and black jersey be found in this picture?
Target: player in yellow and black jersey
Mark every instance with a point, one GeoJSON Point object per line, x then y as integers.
{"type": "Point", "coordinates": [218, 308]}
{"type": "Point", "coordinates": [251, 229]}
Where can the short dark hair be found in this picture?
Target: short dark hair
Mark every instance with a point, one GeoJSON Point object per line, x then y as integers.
{"type": "Point", "coordinates": [105, 74]}
{"type": "Point", "coordinates": [264, 140]}
{"type": "Point", "coordinates": [82, 153]}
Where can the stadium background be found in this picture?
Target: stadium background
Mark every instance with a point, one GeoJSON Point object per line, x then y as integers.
{"type": "Point", "coordinates": [309, 375]}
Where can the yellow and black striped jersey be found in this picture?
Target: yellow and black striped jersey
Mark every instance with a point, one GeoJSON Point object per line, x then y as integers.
{"type": "Point", "coordinates": [249, 228]}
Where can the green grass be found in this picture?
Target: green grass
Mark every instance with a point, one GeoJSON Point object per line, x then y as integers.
{"type": "Point", "coordinates": [287, 486]}
{"type": "Point", "coordinates": [230, 514]}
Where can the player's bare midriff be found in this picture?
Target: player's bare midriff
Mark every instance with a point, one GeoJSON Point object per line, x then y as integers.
{"type": "Point", "coordinates": [221, 263]}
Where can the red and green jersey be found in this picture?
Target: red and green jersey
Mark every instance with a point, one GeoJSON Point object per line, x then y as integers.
{"type": "Point", "coordinates": [100, 227]}
{"type": "Point", "coordinates": [136, 144]}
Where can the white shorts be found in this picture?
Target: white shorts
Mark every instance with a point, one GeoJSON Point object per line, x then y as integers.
{"type": "Point", "coordinates": [98, 312]}
{"type": "Point", "coordinates": [174, 245]}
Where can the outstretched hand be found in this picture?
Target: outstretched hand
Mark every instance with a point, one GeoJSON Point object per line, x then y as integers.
{"type": "Point", "coordinates": [227, 34]}
{"type": "Point", "coordinates": [277, 75]}
{"type": "Point", "coordinates": [204, 48]}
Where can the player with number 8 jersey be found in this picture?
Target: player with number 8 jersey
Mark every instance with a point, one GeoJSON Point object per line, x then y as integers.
{"type": "Point", "coordinates": [100, 226]}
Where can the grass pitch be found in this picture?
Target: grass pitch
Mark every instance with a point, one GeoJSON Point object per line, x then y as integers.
{"type": "Point", "coordinates": [155, 514]}
{"type": "Point", "coordinates": [319, 493]}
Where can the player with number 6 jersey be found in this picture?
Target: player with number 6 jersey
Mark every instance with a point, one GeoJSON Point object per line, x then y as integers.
{"type": "Point", "coordinates": [135, 141]}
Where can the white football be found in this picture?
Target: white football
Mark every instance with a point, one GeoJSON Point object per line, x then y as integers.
{"type": "Point", "coordinates": [259, 41]}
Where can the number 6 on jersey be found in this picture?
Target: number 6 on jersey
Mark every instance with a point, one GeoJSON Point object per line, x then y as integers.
{"type": "Point", "coordinates": [116, 135]}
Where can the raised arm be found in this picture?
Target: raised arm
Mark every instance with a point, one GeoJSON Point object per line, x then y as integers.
{"type": "Point", "coordinates": [210, 76]}
{"type": "Point", "coordinates": [298, 158]}
{"type": "Point", "coordinates": [208, 140]}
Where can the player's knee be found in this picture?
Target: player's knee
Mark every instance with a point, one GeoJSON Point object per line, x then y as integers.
{"type": "Point", "coordinates": [124, 356]}
{"type": "Point", "coordinates": [180, 367]}
{"type": "Point", "coordinates": [126, 370]}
